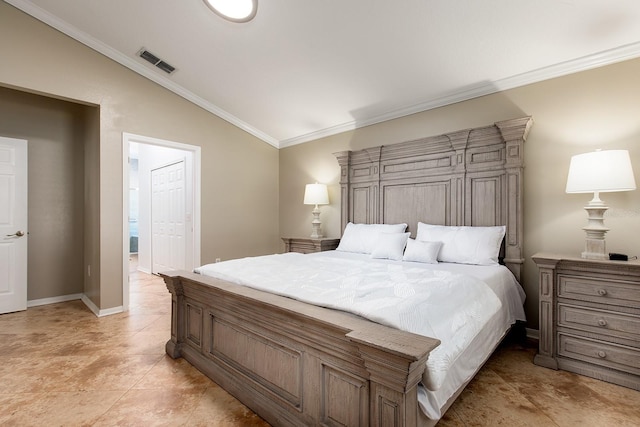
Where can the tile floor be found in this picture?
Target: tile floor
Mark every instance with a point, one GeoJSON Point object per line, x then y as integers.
{"type": "Point", "coordinates": [62, 366]}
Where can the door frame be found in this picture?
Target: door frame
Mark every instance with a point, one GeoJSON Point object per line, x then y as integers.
{"type": "Point", "coordinates": [196, 151]}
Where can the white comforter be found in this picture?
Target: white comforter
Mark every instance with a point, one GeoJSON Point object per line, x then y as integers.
{"type": "Point", "coordinates": [452, 307]}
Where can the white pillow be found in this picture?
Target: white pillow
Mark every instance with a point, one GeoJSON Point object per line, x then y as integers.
{"type": "Point", "coordinates": [362, 238]}
{"type": "Point", "coordinates": [390, 246]}
{"type": "Point", "coordinates": [422, 251]}
{"type": "Point", "coordinates": [464, 245]}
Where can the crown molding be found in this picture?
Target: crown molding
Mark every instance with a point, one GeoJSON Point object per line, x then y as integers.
{"type": "Point", "coordinates": [600, 59]}
{"type": "Point", "coordinates": [584, 63]}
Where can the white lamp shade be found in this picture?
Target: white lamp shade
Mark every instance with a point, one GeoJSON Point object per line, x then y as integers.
{"type": "Point", "coordinates": [316, 194]}
{"type": "Point", "coordinates": [601, 171]}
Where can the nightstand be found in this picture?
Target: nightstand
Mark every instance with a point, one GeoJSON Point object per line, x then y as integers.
{"type": "Point", "coordinates": [590, 317]}
{"type": "Point", "coordinates": [309, 245]}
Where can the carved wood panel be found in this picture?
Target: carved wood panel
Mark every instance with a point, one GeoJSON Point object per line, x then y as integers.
{"type": "Point", "coordinates": [361, 204]}
{"type": "Point", "coordinates": [275, 365]}
{"type": "Point", "coordinates": [484, 200]}
{"type": "Point", "coordinates": [194, 325]}
{"type": "Point", "coordinates": [428, 202]}
{"type": "Point", "coordinates": [345, 398]}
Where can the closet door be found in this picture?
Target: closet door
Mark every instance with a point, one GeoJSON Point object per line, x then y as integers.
{"type": "Point", "coordinates": [168, 217]}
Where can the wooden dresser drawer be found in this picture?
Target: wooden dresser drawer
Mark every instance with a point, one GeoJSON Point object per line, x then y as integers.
{"type": "Point", "coordinates": [599, 290]}
{"type": "Point", "coordinates": [590, 317]}
{"type": "Point", "coordinates": [600, 353]}
{"type": "Point", "coordinates": [308, 245]}
{"type": "Point", "coordinates": [613, 324]}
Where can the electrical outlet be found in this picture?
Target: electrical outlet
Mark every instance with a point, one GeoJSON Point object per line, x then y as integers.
{"type": "Point", "coordinates": [217, 259]}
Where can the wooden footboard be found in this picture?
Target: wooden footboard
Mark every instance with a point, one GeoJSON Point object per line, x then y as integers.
{"type": "Point", "coordinates": [294, 363]}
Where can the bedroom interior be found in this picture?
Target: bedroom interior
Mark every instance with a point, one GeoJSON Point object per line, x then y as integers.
{"type": "Point", "coordinates": [99, 99]}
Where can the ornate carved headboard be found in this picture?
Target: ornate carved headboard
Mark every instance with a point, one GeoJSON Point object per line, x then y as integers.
{"type": "Point", "coordinates": [468, 177]}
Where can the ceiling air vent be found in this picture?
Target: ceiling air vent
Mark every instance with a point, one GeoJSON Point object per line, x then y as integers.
{"type": "Point", "coordinates": [165, 67]}
{"type": "Point", "coordinates": [150, 57]}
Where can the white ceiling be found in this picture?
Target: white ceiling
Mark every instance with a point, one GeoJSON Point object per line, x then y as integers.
{"type": "Point", "coordinates": [304, 69]}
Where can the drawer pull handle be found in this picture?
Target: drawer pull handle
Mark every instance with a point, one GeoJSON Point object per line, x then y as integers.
{"type": "Point", "coordinates": [602, 292]}
{"type": "Point", "coordinates": [602, 322]}
{"type": "Point", "coordinates": [602, 354]}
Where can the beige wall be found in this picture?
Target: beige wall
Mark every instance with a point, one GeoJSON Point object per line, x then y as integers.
{"type": "Point", "coordinates": [239, 175]}
{"type": "Point", "coordinates": [252, 194]}
{"type": "Point", "coordinates": [53, 129]}
{"type": "Point", "coordinates": [91, 212]}
{"type": "Point", "coordinates": [599, 108]}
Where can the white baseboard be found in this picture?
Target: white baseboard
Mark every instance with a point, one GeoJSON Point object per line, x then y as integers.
{"type": "Point", "coordinates": [64, 298]}
{"type": "Point", "coordinates": [53, 300]}
{"type": "Point", "coordinates": [144, 270]}
{"type": "Point", "coordinates": [533, 334]}
{"type": "Point", "coordinates": [100, 313]}
{"type": "Point", "coordinates": [90, 305]}
{"type": "Point", "coordinates": [110, 311]}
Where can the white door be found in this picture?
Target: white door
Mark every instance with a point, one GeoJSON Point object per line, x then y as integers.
{"type": "Point", "coordinates": [167, 217]}
{"type": "Point", "coordinates": [13, 225]}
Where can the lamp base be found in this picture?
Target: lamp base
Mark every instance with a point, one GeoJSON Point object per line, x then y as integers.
{"type": "Point", "coordinates": [315, 224]}
{"type": "Point", "coordinates": [595, 246]}
{"type": "Point", "coordinates": [595, 249]}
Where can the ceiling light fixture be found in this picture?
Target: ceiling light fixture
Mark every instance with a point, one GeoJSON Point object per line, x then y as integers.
{"type": "Point", "coordinates": [234, 10]}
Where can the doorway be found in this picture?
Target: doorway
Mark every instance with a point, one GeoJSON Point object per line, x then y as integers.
{"type": "Point", "coordinates": [141, 156]}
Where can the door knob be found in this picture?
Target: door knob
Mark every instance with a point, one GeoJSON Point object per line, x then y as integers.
{"type": "Point", "coordinates": [16, 234]}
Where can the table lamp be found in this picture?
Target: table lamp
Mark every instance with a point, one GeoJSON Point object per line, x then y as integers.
{"type": "Point", "coordinates": [599, 172]}
{"type": "Point", "coordinates": [316, 194]}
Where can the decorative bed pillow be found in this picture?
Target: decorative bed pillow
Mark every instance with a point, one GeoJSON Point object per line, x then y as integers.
{"type": "Point", "coordinates": [422, 251]}
{"type": "Point", "coordinates": [390, 246]}
{"type": "Point", "coordinates": [465, 245]}
{"type": "Point", "coordinates": [362, 238]}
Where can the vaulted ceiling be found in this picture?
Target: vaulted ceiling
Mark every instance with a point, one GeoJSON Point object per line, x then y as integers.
{"type": "Point", "coordinates": [304, 69]}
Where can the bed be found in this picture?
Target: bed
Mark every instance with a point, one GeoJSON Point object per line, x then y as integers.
{"type": "Point", "coordinates": [296, 363]}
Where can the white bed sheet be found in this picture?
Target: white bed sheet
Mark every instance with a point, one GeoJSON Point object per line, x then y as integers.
{"type": "Point", "coordinates": [508, 291]}
{"type": "Point", "coordinates": [444, 381]}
